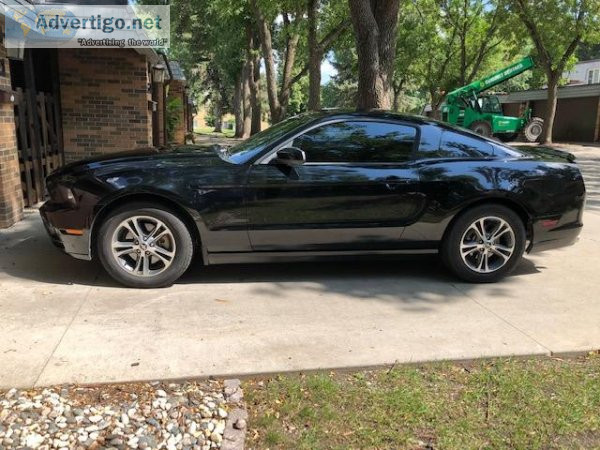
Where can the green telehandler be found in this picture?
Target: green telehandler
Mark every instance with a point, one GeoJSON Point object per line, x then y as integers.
{"type": "Point", "coordinates": [469, 107]}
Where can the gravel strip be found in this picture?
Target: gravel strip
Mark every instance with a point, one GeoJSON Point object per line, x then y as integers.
{"type": "Point", "coordinates": [139, 415]}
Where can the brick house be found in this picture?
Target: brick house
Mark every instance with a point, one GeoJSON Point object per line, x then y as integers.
{"type": "Point", "coordinates": [62, 105]}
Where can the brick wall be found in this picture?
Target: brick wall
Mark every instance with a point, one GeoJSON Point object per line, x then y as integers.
{"type": "Point", "coordinates": [11, 196]}
{"type": "Point", "coordinates": [176, 90]}
{"type": "Point", "coordinates": [104, 100]}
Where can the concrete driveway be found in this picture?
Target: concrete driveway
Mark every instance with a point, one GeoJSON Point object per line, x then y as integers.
{"type": "Point", "coordinates": [65, 321]}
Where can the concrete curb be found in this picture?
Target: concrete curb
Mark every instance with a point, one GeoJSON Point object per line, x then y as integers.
{"type": "Point", "coordinates": [234, 436]}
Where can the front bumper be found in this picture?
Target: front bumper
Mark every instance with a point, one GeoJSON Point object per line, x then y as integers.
{"type": "Point", "coordinates": [55, 219]}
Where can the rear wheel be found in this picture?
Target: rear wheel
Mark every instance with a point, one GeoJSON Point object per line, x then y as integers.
{"type": "Point", "coordinates": [481, 127]}
{"type": "Point", "coordinates": [142, 246]}
{"type": "Point", "coordinates": [533, 129]}
{"type": "Point", "coordinates": [484, 244]}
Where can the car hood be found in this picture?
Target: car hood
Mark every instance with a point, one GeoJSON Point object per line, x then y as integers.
{"type": "Point", "coordinates": [191, 154]}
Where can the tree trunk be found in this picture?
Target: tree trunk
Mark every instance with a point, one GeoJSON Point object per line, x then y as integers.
{"type": "Point", "coordinates": [238, 107]}
{"type": "Point", "coordinates": [291, 48]}
{"type": "Point", "coordinates": [386, 15]}
{"type": "Point", "coordinates": [255, 97]}
{"type": "Point", "coordinates": [396, 100]}
{"type": "Point", "coordinates": [254, 81]}
{"type": "Point", "coordinates": [436, 100]}
{"type": "Point", "coordinates": [374, 24]}
{"type": "Point", "coordinates": [266, 44]}
{"type": "Point", "coordinates": [315, 56]}
{"type": "Point", "coordinates": [553, 79]}
{"type": "Point", "coordinates": [218, 113]}
{"type": "Point", "coordinates": [397, 90]}
{"type": "Point", "coordinates": [246, 103]}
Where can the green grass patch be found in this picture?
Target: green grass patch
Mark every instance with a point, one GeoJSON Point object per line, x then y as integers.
{"type": "Point", "coordinates": [533, 404]}
{"type": "Point", "coordinates": [209, 131]}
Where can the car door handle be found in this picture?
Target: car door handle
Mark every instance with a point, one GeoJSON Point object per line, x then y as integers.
{"type": "Point", "coordinates": [393, 183]}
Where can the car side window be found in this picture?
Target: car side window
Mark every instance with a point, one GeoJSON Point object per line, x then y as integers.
{"type": "Point", "coordinates": [457, 145]}
{"type": "Point", "coordinates": [358, 142]}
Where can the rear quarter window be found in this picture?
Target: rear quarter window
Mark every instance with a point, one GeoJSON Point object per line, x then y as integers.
{"type": "Point", "coordinates": [457, 145]}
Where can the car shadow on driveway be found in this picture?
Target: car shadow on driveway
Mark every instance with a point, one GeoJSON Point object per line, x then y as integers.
{"type": "Point", "coordinates": [417, 267]}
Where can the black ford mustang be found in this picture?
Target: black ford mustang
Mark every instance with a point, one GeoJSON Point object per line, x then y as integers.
{"type": "Point", "coordinates": [318, 185]}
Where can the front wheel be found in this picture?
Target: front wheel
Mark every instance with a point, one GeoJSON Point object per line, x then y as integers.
{"type": "Point", "coordinates": [142, 246]}
{"type": "Point", "coordinates": [484, 244]}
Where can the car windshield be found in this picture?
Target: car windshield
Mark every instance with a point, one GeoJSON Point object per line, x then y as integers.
{"type": "Point", "coordinates": [245, 151]}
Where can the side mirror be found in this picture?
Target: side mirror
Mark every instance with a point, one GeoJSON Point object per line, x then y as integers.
{"type": "Point", "coordinates": [290, 156]}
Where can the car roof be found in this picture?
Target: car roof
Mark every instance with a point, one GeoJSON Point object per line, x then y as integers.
{"type": "Point", "coordinates": [374, 113]}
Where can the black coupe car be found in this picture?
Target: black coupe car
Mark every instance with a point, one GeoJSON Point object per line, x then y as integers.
{"type": "Point", "coordinates": [318, 185]}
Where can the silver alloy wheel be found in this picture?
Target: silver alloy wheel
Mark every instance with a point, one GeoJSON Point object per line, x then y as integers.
{"type": "Point", "coordinates": [488, 244]}
{"type": "Point", "coordinates": [143, 246]}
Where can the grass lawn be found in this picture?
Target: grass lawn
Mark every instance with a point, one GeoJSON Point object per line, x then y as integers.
{"type": "Point", "coordinates": [209, 132]}
{"type": "Point", "coordinates": [504, 403]}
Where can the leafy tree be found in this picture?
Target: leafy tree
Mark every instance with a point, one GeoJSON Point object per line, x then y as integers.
{"type": "Point", "coordinates": [399, 54]}
{"type": "Point", "coordinates": [339, 94]}
{"type": "Point", "coordinates": [440, 45]}
{"type": "Point", "coordinates": [411, 50]}
{"type": "Point", "coordinates": [460, 40]}
{"type": "Point", "coordinates": [476, 24]}
{"type": "Point", "coordinates": [294, 36]}
{"type": "Point", "coordinates": [287, 37]}
{"type": "Point", "coordinates": [557, 28]}
{"type": "Point", "coordinates": [586, 52]}
{"type": "Point", "coordinates": [327, 21]}
{"type": "Point", "coordinates": [225, 66]}
{"type": "Point", "coordinates": [173, 116]}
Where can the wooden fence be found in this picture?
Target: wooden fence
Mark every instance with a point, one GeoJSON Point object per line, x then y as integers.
{"type": "Point", "coordinates": [39, 138]}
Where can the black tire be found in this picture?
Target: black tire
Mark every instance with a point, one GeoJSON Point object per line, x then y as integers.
{"type": "Point", "coordinates": [451, 244]}
{"type": "Point", "coordinates": [183, 246]}
{"type": "Point", "coordinates": [482, 128]}
{"type": "Point", "coordinates": [507, 137]}
{"type": "Point", "coordinates": [533, 130]}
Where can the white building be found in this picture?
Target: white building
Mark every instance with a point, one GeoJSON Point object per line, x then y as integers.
{"type": "Point", "coordinates": [584, 72]}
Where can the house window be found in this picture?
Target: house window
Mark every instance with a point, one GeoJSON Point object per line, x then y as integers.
{"type": "Point", "coordinates": [593, 76]}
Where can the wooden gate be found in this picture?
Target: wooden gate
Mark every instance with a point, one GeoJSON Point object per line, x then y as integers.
{"type": "Point", "coordinates": [39, 138]}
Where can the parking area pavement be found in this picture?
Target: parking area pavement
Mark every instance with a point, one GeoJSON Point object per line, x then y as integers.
{"type": "Point", "coordinates": [65, 321]}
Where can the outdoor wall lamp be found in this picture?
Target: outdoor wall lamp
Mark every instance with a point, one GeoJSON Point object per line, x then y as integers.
{"type": "Point", "coordinates": [6, 95]}
{"type": "Point", "coordinates": [158, 73]}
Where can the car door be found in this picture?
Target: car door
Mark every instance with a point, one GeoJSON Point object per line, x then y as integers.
{"type": "Point", "coordinates": [357, 189]}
